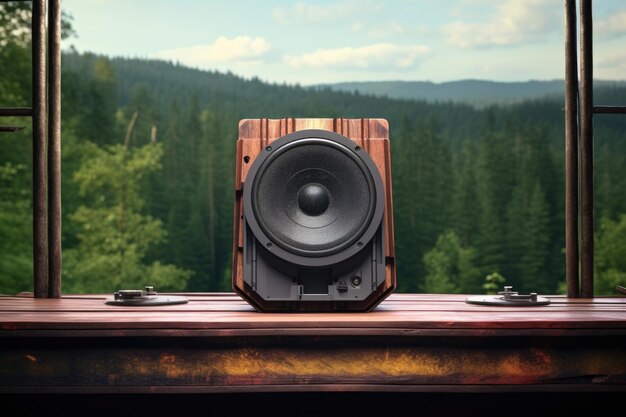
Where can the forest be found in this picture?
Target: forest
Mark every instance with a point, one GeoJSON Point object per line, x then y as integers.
{"type": "Point", "coordinates": [148, 169]}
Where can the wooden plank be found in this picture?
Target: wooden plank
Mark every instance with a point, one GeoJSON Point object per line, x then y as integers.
{"type": "Point", "coordinates": [199, 305]}
{"type": "Point", "coordinates": [392, 297]}
{"type": "Point", "coordinates": [364, 389]}
{"type": "Point", "coordinates": [401, 312]}
{"type": "Point", "coordinates": [394, 303]}
{"type": "Point", "coordinates": [217, 343]}
{"type": "Point", "coordinates": [230, 333]}
{"type": "Point", "coordinates": [438, 301]}
{"type": "Point", "coordinates": [396, 297]}
{"type": "Point", "coordinates": [309, 362]}
{"type": "Point", "coordinates": [242, 320]}
{"type": "Point", "coordinates": [49, 305]}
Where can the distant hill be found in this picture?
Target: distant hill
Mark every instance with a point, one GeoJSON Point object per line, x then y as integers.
{"type": "Point", "coordinates": [476, 189]}
{"type": "Point", "coordinates": [475, 92]}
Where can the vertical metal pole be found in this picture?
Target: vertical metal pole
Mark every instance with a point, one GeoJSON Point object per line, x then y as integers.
{"type": "Point", "coordinates": [40, 209]}
{"type": "Point", "coordinates": [586, 147]}
{"type": "Point", "coordinates": [571, 152]}
{"type": "Point", "coordinates": [54, 148]}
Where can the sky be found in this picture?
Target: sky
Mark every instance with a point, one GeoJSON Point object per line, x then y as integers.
{"type": "Point", "coordinates": [312, 42]}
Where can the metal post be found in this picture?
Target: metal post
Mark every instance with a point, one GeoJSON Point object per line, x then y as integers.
{"type": "Point", "coordinates": [571, 152]}
{"type": "Point", "coordinates": [16, 111]}
{"type": "Point", "coordinates": [54, 148]}
{"type": "Point", "coordinates": [609, 109]}
{"type": "Point", "coordinates": [586, 147]}
{"type": "Point", "coordinates": [40, 209]}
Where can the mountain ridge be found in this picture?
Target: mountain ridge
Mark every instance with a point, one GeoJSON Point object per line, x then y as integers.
{"type": "Point", "coordinates": [469, 91]}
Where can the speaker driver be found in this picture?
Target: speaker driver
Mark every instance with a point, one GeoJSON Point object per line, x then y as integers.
{"type": "Point", "coordinates": [313, 224]}
{"type": "Point", "coordinates": [314, 196]}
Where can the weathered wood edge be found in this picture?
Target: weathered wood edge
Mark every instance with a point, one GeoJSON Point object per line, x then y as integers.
{"type": "Point", "coordinates": [309, 332]}
{"type": "Point", "coordinates": [210, 389]}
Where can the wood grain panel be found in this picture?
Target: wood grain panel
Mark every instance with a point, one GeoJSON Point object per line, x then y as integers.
{"type": "Point", "coordinates": [218, 343]}
{"type": "Point", "coordinates": [417, 342]}
{"type": "Point", "coordinates": [390, 363]}
{"type": "Point", "coordinates": [398, 314]}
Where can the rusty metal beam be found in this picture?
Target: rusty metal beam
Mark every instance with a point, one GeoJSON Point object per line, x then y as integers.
{"type": "Point", "coordinates": [571, 152]}
{"type": "Point", "coordinates": [609, 109]}
{"type": "Point", "coordinates": [586, 148]}
{"type": "Point", "coordinates": [54, 149]}
{"type": "Point", "coordinates": [40, 183]}
{"type": "Point", "coordinates": [16, 112]}
{"type": "Point", "coordinates": [306, 362]}
{"type": "Point", "coordinates": [10, 129]}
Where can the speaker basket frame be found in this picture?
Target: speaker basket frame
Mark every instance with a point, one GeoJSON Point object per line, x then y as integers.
{"type": "Point", "coordinates": [372, 136]}
{"type": "Point", "coordinates": [347, 249]}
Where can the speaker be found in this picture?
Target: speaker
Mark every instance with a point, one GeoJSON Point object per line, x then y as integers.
{"type": "Point", "coordinates": [313, 227]}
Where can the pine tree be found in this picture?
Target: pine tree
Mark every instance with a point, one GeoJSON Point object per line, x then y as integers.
{"type": "Point", "coordinates": [465, 204]}
{"type": "Point", "coordinates": [529, 233]}
{"type": "Point", "coordinates": [610, 261]}
{"type": "Point", "coordinates": [114, 236]}
{"type": "Point", "coordinates": [450, 267]}
{"type": "Point", "coordinates": [495, 177]}
{"type": "Point", "coordinates": [406, 215]}
{"type": "Point", "coordinates": [15, 231]}
{"type": "Point", "coordinates": [533, 267]}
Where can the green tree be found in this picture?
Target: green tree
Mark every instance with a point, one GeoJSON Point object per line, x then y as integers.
{"type": "Point", "coordinates": [493, 283]}
{"type": "Point", "coordinates": [450, 267]}
{"type": "Point", "coordinates": [114, 236]}
{"type": "Point", "coordinates": [465, 204]}
{"type": "Point", "coordinates": [424, 190]}
{"type": "Point", "coordinates": [536, 254]}
{"type": "Point", "coordinates": [529, 232]}
{"type": "Point", "coordinates": [494, 177]}
{"type": "Point", "coordinates": [610, 259]}
{"type": "Point", "coordinates": [15, 231]}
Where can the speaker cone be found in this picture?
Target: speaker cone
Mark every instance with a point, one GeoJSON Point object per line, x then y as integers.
{"type": "Point", "coordinates": [314, 196]}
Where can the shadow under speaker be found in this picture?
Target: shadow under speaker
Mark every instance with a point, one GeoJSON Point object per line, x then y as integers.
{"type": "Point", "coordinates": [313, 226]}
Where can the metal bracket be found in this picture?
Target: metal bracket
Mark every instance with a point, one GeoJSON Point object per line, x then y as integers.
{"type": "Point", "coordinates": [509, 298]}
{"type": "Point", "coordinates": [146, 297]}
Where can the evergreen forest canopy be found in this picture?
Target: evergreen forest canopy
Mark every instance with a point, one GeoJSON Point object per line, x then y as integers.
{"type": "Point", "coordinates": [148, 170]}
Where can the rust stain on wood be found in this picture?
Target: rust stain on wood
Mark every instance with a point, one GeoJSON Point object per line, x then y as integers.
{"type": "Point", "coordinates": [413, 339]}
{"type": "Point", "coordinates": [257, 365]}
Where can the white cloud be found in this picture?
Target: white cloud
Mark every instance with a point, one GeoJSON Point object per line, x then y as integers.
{"type": "Point", "coordinates": [612, 66]}
{"type": "Point", "coordinates": [357, 27]}
{"type": "Point", "coordinates": [237, 49]}
{"type": "Point", "coordinates": [304, 12]}
{"type": "Point", "coordinates": [611, 26]}
{"type": "Point", "coordinates": [394, 29]}
{"type": "Point", "coordinates": [381, 56]}
{"type": "Point", "coordinates": [513, 22]}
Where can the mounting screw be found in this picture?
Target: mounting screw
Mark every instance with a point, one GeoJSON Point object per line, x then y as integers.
{"type": "Point", "coordinates": [508, 292]}
{"type": "Point", "coordinates": [355, 281]}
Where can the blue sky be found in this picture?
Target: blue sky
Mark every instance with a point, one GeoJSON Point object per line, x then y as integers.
{"type": "Point", "coordinates": [311, 42]}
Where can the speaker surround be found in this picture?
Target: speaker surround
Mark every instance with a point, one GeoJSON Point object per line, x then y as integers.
{"type": "Point", "coordinates": [313, 216]}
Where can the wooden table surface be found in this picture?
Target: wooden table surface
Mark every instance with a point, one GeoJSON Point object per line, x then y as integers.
{"type": "Point", "coordinates": [227, 311]}
{"type": "Point", "coordinates": [218, 343]}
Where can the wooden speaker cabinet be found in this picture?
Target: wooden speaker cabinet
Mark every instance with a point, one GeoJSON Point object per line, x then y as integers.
{"type": "Point", "coordinates": [313, 227]}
